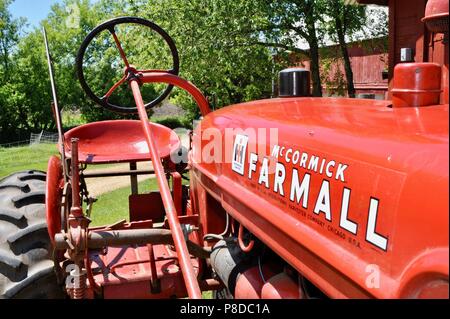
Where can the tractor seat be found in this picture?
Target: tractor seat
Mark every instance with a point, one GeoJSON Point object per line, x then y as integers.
{"type": "Point", "coordinates": [119, 141]}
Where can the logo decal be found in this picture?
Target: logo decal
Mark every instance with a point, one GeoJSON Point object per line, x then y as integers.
{"type": "Point", "coordinates": [239, 153]}
{"type": "Point", "coordinates": [318, 189]}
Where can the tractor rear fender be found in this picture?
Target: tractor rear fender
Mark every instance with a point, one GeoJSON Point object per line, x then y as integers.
{"type": "Point", "coordinates": [53, 196]}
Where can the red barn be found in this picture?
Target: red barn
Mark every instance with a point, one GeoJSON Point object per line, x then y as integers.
{"type": "Point", "coordinates": [373, 61]}
{"type": "Point", "coordinates": [406, 30]}
{"type": "Point", "coordinates": [369, 59]}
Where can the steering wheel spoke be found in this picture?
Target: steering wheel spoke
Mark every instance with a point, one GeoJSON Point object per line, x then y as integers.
{"type": "Point", "coordinates": [112, 30]}
{"type": "Point", "coordinates": [110, 26]}
{"type": "Point", "coordinates": [113, 88]}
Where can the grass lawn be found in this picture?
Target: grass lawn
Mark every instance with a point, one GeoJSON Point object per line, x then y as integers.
{"type": "Point", "coordinates": [113, 207]}
{"type": "Point", "coordinates": [16, 159]}
{"type": "Point", "coordinates": [26, 157]}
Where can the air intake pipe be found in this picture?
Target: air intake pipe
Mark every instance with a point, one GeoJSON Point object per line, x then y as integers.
{"type": "Point", "coordinates": [294, 82]}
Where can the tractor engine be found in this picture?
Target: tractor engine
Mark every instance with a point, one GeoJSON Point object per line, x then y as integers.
{"type": "Point", "coordinates": [331, 197]}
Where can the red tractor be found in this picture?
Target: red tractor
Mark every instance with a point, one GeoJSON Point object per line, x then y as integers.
{"type": "Point", "coordinates": [292, 197]}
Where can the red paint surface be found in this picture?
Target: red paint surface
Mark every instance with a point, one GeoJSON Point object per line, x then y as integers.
{"type": "Point", "coordinates": [125, 273]}
{"type": "Point", "coordinates": [398, 156]}
{"type": "Point", "coordinates": [119, 141]}
{"type": "Point", "coordinates": [416, 84]}
{"type": "Point", "coordinates": [53, 194]}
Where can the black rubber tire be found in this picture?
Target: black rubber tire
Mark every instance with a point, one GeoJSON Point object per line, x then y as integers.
{"type": "Point", "coordinates": [26, 264]}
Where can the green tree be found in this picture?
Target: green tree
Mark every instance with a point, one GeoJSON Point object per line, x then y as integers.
{"type": "Point", "coordinates": [346, 19]}
{"type": "Point", "coordinates": [289, 25]}
{"type": "Point", "coordinates": [217, 52]}
{"type": "Point", "coordinates": [9, 37]}
{"type": "Point", "coordinates": [10, 96]}
{"type": "Point", "coordinates": [351, 22]}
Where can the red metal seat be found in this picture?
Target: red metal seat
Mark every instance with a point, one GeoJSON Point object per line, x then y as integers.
{"type": "Point", "coordinates": [119, 141]}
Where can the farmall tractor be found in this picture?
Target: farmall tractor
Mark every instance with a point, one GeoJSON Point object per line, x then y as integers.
{"type": "Point", "coordinates": [303, 197]}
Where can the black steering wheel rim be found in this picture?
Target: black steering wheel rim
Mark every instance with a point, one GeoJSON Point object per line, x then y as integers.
{"type": "Point", "coordinates": [109, 25]}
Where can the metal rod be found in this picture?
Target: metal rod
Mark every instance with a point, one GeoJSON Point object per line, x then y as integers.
{"type": "Point", "coordinates": [177, 190]}
{"type": "Point", "coordinates": [140, 237]}
{"type": "Point", "coordinates": [117, 238]}
{"type": "Point", "coordinates": [56, 109]}
{"type": "Point", "coordinates": [118, 173]}
{"type": "Point", "coordinates": [119, 47]}
{"type": "Point", "coordinates": [134, 179]}
{"type": "Point", "coordinates": [187, 269]}
{"type": "Point", "coordinates": [154, 282]}
{"type": "Point", "coordinates": [75, 181]}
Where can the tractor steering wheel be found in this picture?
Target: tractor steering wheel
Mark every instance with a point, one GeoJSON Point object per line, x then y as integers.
{"type": "Point", "coordinates": [130, 71]}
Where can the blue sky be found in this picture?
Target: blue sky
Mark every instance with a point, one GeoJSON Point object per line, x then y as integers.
{"type": "Point", "coordinates": [33, 10]}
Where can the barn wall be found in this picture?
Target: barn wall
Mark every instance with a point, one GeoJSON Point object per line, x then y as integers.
{"type": "Point", "coordinates": [406, 30]}
{"type": "Point", "coordinates": [368, 58]}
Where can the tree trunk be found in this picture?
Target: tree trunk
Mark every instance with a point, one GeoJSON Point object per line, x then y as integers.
{"type": "Point", "coordinates": [344, 50]}
{"type": "Point", "coordinates": [5, 63]}
{"type": "Point", "coordinates": [315, 70]}
{"type": "Point", "coordinates": [348, 71]}
{"type": "Point", "coordinates": [314, 51]}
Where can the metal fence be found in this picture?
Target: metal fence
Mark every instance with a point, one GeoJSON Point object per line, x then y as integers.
{"type": "Point", "coordinates": [43, 138]}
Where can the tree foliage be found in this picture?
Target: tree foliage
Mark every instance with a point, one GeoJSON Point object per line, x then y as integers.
{"type": "Point", "coordinates": [232, 50]}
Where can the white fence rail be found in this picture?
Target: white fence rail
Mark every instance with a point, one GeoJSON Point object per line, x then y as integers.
{"type": "Point", "coordinates": [43, 138]}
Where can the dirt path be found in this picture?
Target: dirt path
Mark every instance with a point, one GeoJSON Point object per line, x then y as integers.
{"type": "Point", "coordinates": [102, 185]}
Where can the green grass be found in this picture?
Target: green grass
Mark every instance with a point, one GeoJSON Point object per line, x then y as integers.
{"type": "Point", "coordinates": [16, 159]}
{"type": "Point", "coordinates": [26, 157]}
{"type": "Point", "coordinates": [113, 207]}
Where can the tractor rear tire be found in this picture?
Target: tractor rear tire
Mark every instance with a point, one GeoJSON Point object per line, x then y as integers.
{"type": "Point", "coordinates": [26, 264]}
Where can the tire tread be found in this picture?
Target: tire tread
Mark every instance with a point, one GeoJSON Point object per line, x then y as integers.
{"type": "Point", "coordinates": [26, 264]}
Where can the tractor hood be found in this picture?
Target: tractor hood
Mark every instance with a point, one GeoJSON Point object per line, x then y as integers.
{"type": "Point", "coordinates": [355, 181]}
{"type": "Point", "coordinates": [406, 140]}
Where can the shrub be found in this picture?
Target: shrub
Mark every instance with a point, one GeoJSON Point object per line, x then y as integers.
{"type": "Point", "coordinates": [174, 122]}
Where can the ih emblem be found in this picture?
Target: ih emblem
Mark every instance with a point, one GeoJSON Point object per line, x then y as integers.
{"type": "Point", "coordinates": [239, 153]}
